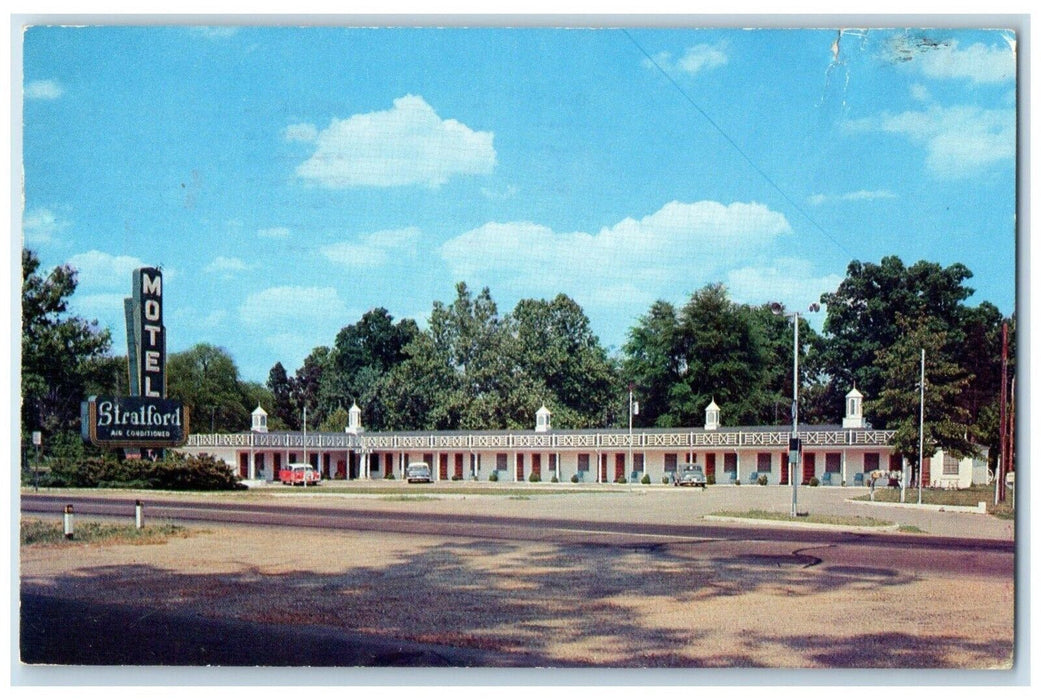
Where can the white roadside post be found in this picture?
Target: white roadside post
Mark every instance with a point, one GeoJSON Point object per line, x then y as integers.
{"type": "Point", "coordinates": [67, 522]}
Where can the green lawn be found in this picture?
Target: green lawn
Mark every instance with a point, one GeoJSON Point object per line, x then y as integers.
{"type": "Point", "coordinates": [949, 497]}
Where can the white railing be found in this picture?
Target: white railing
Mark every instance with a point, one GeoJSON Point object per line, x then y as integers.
{"type": "Point", "coordinates": [645, 438]}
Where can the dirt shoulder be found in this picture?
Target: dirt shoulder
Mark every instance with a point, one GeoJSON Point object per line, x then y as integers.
{"type": "Point", "coordinates": [680, 603]}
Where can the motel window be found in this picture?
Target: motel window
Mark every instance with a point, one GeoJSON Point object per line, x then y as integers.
{"type": "Point", "coordinates": [833, 462]}
{"type": "Point", "coordinates": [763, 462]}
{"type": "Point", "coordinates": [670, 463]}
{"type": "Point", "coordinates": [500, 462]}
{"type": "Point", "coordinates": [638, 462]}
{"type": "Point", "coordinates": [583, 463]}
{"type": "Point", "coordinates": [950, 465]}
{"type": "Point", "coordinates": [871, 462]}
{"type": "Point", "coordinates": [730, 462]}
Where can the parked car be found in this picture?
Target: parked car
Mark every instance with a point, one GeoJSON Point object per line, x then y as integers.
{"type": "Point", "coordinates": [691, 475]}
{"type": "Point", "coordinates": [299, 474]}
{"type": "Point", "coordinates": [417, 472]}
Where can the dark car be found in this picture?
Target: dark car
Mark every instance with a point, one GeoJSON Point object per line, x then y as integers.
{"type": "Point", "coordinates": [691, 475]}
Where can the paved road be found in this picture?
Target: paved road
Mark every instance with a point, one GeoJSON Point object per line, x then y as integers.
{"type": "Point", "coordinates": [852, 548]}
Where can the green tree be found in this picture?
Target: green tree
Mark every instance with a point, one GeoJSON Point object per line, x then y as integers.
{"type": "Point", "coordinates": [206, 379]}
{"type": "Point", "coordinates": [653, 362]}
{"type": "Point", "coordinates": [559, 362]}
{"type": "Point", "coordinates": [364, 352]}
{"type": "Point", "coordinates": [309, 386]}
{"type": "Point", "coordinates": [862, 315]}
{"type": "Point", "coordinates": [898, 404]}
{"type": "Point", "coordinates": [283, 409]}
{"type": "Point", "coordinates": [61, 354]}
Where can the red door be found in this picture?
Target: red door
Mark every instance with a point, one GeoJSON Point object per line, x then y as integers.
{"type": "Point", "coordinates": [809, 467]}
{"type": "Point", "coordinates": [619, 467]}
{"type": "Point", "coordinates": [520, 467]}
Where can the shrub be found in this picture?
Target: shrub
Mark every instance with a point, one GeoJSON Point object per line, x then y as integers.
{"type": "Point", "coordinates": [177, 472]}
{"type": "Point", "coordinates": [494, 476]}
{"type": "Point", "coordinates": [620, 480]}
{"type": "Point", "coordinates": [814, 481]}
{"type": "Point", "coordinates": [388, 475]}
{"type": "Point", "coordinates": [737, 482]}
{"type": "Point", "coordinates": [534, 477]}
{"type": "Point", "coordinates": [665, 479]}
{"type": "Point", "coordinates": [762, 480]}
{"type": "Point", "coordinates": [710, 479]}
{"type": "Point", "coordinates": [457, 477]}
{"type": "Point", "coordinates": [554, 480]}
{"type": "Point", "coordinates": [646, 479]}
{"type": "Point", "coordinates": [574, 478]}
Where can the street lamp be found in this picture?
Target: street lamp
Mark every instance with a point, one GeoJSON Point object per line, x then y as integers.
{"type": "Point", "coordinates": [794, 447]}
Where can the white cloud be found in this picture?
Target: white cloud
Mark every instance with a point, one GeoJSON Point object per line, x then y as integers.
{"type": "Point", "coordinates": [293, 307]}
{"type": "Point", "coordinates": [98, 270]}
{"type": "Point", "coordinates": [633, 259]}
{"type": "Point", "coordinates": [790, 281]}
{"type": "Point", "coordinates": [277, 232]}
{"type": "Point", "coordinates": [43, 90]}
{"type": "Point", "coordinates": [857, 196]}
{"type": "Point", "coordinates": [374, 249]}
{"type": "Point", "coordinates": [920, 93]}
{"type": "Point", "coordinates": [976, 63]}
{"type": "Point", "coordinates": [695, 59]}
{"type": "Point", "coordinates": [295, 320]}
{"type": "Point", "coordinates": [958, 140]}
{"type": "Point", "coordinates": [406, 145]}
{"type": "Point", "coordinates": [40, 225]}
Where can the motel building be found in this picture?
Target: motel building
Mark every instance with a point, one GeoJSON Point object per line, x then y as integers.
{"type": "Point", "coordinates": [846, 455]}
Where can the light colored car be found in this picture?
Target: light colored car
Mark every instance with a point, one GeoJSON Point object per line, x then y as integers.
{"type": "Point", "coordinates": [691, 475]}
{"type": "Point", "coordinates": [418, 472]}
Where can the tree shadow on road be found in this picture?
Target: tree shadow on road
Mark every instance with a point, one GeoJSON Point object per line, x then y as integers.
{"type": "Point", "coordinates": [463, 603]}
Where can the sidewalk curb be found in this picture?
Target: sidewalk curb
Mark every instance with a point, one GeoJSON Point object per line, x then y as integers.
{"type": "Point", "coordinates": [803, 526]}
{"type": "Point", "coordinates": [980, 509]}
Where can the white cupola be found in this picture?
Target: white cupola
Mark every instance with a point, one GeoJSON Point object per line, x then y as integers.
{"type": "Point", "coordinates": [542, 419]}
{"type": "Point", "coordinates": [854, 410]}
{"type": "Point", "coordinates": [354, 419]}
{"type": "Point", "coordinates": [712, 416]}
{"type": "Point", "coordinates": [259, 420]}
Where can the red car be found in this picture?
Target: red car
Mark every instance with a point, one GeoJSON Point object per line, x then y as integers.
{"type": "Point", "coordinates": [299, 475]}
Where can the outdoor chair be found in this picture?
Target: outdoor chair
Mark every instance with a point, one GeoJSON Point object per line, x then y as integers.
{"type": "Point", "coordinates": [858, 479]}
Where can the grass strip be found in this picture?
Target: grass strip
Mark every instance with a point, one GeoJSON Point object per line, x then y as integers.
{"type": "Point", "coordinates": [44, 532]}
{"type": "Point", "coordinates": [821, 519]}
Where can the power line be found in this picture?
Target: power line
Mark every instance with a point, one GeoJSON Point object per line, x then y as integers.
{"type": "Point", "coordinates": [735, 146]}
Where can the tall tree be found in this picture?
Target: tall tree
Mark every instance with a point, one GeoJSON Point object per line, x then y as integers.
{"type": "Point", "coordinates": [560, 362]}
{"type": "Point", "coordinates": [653, 362]}
{"type": "Point", "coordinates": [61, 354]}
{"type": "Point", "coordinates": [283, 408]}
{"type": "Point", "coordinates": [862, 314]}
{"type": "Point", "coordinates": [946, 424]}
{"type": "Point", "coordinates": [364, 352]}
{"type": "Point", "coordinates": [206, 379]}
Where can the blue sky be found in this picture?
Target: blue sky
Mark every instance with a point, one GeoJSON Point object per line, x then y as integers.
{"type": "Point", "coordinates": [290, 179]}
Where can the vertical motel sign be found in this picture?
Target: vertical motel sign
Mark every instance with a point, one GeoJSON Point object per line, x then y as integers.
{"type": "Point", "coordinates": [146, 418]}
{"type": "Point", "coordinates": [146, 335]}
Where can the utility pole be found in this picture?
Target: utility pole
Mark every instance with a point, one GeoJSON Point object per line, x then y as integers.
{"type": "Point", "coordinates": [1003, 415]}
